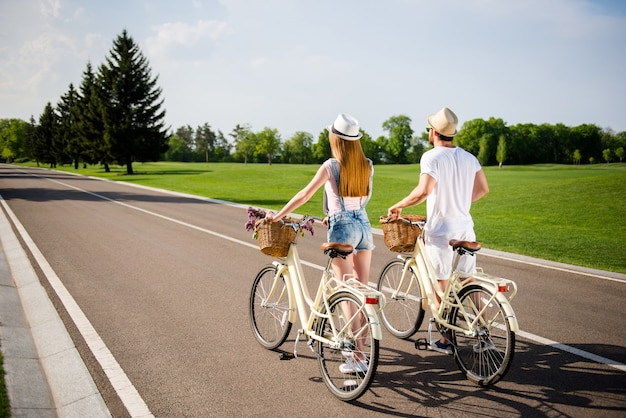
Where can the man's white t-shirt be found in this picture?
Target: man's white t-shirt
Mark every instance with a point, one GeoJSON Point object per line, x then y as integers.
{"type": "Point", "coordinates": [454, 170]}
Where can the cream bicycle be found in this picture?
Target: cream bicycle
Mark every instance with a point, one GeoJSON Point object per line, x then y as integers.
{"type": "Point", "coordinates": [475, 313]}
{"type": "Point", "coordinates": [340, 324]}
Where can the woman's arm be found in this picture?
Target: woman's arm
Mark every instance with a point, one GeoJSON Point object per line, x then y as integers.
{"type": "Point", "coordinates": [302, 196]}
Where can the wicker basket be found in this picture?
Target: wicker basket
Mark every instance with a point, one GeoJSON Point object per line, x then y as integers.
{"type": "Point", "coordinates": [401, 234]}
{"type": "Point", "coordinates": [274, 237]}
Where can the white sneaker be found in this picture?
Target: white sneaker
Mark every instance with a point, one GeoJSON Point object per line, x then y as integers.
{"type": "Point", "coordinates": [351, 366]}
{"type": "Point", "coordinates": [347, 353]}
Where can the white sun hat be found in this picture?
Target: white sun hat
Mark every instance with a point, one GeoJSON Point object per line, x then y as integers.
{"type": "Point", "coordinates": [346, 127]}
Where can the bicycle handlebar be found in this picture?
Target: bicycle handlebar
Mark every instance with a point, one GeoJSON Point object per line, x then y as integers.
{"type": "Point", "coordinates": [302, 222]}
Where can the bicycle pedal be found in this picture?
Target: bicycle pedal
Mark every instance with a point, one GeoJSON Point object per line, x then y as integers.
{"type": "Point", "coordinates": [421, 344]}
{"type": "Point", "coordinates": [286, 356]}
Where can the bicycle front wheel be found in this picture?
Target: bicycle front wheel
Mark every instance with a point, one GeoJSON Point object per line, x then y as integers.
{"type": "Point", "coordinates": [348, 366]}
{"type": "Point", "coordinates": [402, 314]}
{"type": "Point", "coordinates": [269, 317]}
{"type": "Point", "coordinates": [485, 353]}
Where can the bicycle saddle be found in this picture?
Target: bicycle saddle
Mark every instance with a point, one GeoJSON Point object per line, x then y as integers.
{"type": "Point", "coordinates": [469, 246]}
{"type": "Point", "coordinates": [337, 249]}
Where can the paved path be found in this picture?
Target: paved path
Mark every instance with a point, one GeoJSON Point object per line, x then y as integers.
{"type": "Point", "coordinates": [47, 376]}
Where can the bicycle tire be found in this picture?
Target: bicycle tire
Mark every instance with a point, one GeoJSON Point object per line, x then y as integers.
{"type": "Point", "coordinates": [485, 356]}
{"type": "Point", "coordinates": [270, 323]}
{"type": "Point", "coordinates": [345, 386]}
{"type": "Point", "coordinates": [402, 316]}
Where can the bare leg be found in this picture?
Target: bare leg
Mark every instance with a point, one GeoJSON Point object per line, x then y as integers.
{"type": "Point", "coordinates": [357, 265]}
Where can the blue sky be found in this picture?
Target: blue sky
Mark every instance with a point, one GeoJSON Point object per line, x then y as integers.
{"type": "Point", "coordinates": [294, 65]}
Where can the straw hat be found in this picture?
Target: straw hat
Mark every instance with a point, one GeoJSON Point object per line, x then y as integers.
{"type": "Point", "coordinates": [346, 127]}
{"type": "Point", "coordinates": [444, 122]}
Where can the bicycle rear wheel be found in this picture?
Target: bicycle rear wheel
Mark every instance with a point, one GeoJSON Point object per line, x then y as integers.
{"type": "Point", "coordinates": [269, 318]}
{"type": "Point", "coordinates": [486, 355]}
{"type": "Point", "coordinates": [402, 315]}
{"type": "Point", "coordinates": [350, 385]}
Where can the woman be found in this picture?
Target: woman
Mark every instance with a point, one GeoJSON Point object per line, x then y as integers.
{"type": "Point", "coordinates": [347, 180]}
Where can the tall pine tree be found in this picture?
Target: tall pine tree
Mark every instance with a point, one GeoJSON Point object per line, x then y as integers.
{"type": "Point", "coordinates": [70, 146]}
{"type": "Point", "coordinates": [132, 111]}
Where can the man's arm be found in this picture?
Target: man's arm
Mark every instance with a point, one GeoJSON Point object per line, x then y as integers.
{"type": "Point", "coordinates": [423, 189]}
{"type": "Point", "coordinates": [481, 187]}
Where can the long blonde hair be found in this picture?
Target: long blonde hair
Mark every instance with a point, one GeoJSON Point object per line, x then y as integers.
{"type": "Point", "coordinates": [354, 178]}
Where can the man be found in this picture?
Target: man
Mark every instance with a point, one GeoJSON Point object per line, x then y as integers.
{"type": "Point", "coordinates": [450, 180]}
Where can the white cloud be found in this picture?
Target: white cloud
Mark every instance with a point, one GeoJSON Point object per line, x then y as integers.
{"type": "Point", "coordinates": [171, 35]}
{"type": "Point", "coordinates": [50, 7]}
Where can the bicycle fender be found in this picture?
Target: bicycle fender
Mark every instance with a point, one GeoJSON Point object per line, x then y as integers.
{"type": "Point", "coordinates": [373, 319]}
{"type": "Point", "coordinates": [508, 310]}
{"type": "Point", "coordinates": [506, 306]}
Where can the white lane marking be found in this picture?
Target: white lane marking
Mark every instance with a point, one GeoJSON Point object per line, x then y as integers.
{"type": "Point", "coordinates": [573, 350]}
{"type": "Point", "coordinates": [553, 267]}
{"type": "Point", "coordinates": [126, 391]}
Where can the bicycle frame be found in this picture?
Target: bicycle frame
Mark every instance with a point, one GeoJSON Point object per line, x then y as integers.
{"type": "Point", "coordinates": [420, 264]}
{"type": "Point", "coordinates": [300, 299]}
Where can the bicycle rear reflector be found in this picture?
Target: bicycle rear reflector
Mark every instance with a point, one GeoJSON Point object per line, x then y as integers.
{"type": "Point", "coordinates": [503, 288]}
{"type": "Point", "coordinates": [371, 301]}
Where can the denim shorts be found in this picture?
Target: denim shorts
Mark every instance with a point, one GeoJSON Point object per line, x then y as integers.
{"type": "Point", "coordinates": [351, 227]}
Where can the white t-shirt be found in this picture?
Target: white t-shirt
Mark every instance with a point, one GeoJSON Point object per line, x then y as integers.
{"type": "Point", "coordinates": [448, 206]}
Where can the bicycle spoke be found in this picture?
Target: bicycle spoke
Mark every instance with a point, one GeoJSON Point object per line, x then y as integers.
{"type": "Point", "coordinates": [403, 314]}
{"type": "Point", "coordinates": [349, 365]}
{"type": "Point", "coordinates": [269, 317]}
{"type": "Point", "coordinates": [486, 354]}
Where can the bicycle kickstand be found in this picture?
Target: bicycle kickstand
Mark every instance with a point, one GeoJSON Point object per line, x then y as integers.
{"type": "Point", "coordinates": [289, 356]}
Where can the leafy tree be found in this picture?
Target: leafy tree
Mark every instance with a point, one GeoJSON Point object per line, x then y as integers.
{"type": "Point", "coordinates": [485, 149]}
{"type": "Point", "coordinates": [400, 134]}
{"type": "Point", "coordinates": [206, 142]}
{"type": "Point", "coordinates": [29, 139]}
{"type": "Point", "coordinates": [577, 157]}
{"type": "Point", "coordinates": [619, 153]}
{"type": "Point", "coordinates": [245, 142]}
{"type": "Point", "coordinates": [370, 148]}
{"type": "Point", "coordinates": [587, 138]}
{"type": "Point", "coordinates": [481, 136]}
{"type": "Point", "coordinates": [134, 127]}
{"type": "Point", "coordinates": [13, 135]}
{"type": "Point", "coordinates": [186, 133]}
{"type": "Point", "coordinates": [501, 151]}
{"type": "Point", "coordinates": [297, 149]}
{"type": "Point", "coordinates": [268, 143]}
{"type": "Point", "coordinates": [607, 155]}
{"type": "Point", "coordinates": [178, 149]}
{"type": "Point", "coordinates": [221, 151]}
{"type": "Point", "coordinates": [321, 149]}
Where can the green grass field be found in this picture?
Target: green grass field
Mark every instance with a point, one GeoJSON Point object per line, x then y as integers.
{"type": "Point", "coordinates": [570, 214]}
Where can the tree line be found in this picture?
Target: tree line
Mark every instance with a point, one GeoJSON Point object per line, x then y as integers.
{"type": "Point", "coordinates": [116, 116]}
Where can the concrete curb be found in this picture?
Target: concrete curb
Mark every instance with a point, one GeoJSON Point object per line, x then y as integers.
{"type": "Point", "coordinates": [44, 373]}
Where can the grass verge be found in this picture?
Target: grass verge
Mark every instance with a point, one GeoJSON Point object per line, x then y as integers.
{"type": "Point", "coordinates": [5, 410]}
{"type": "Point", "coordinates": [569, 214]}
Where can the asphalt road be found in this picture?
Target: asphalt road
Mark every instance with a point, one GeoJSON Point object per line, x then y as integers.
{"type": "Point", "coordinates": [165, 278]}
